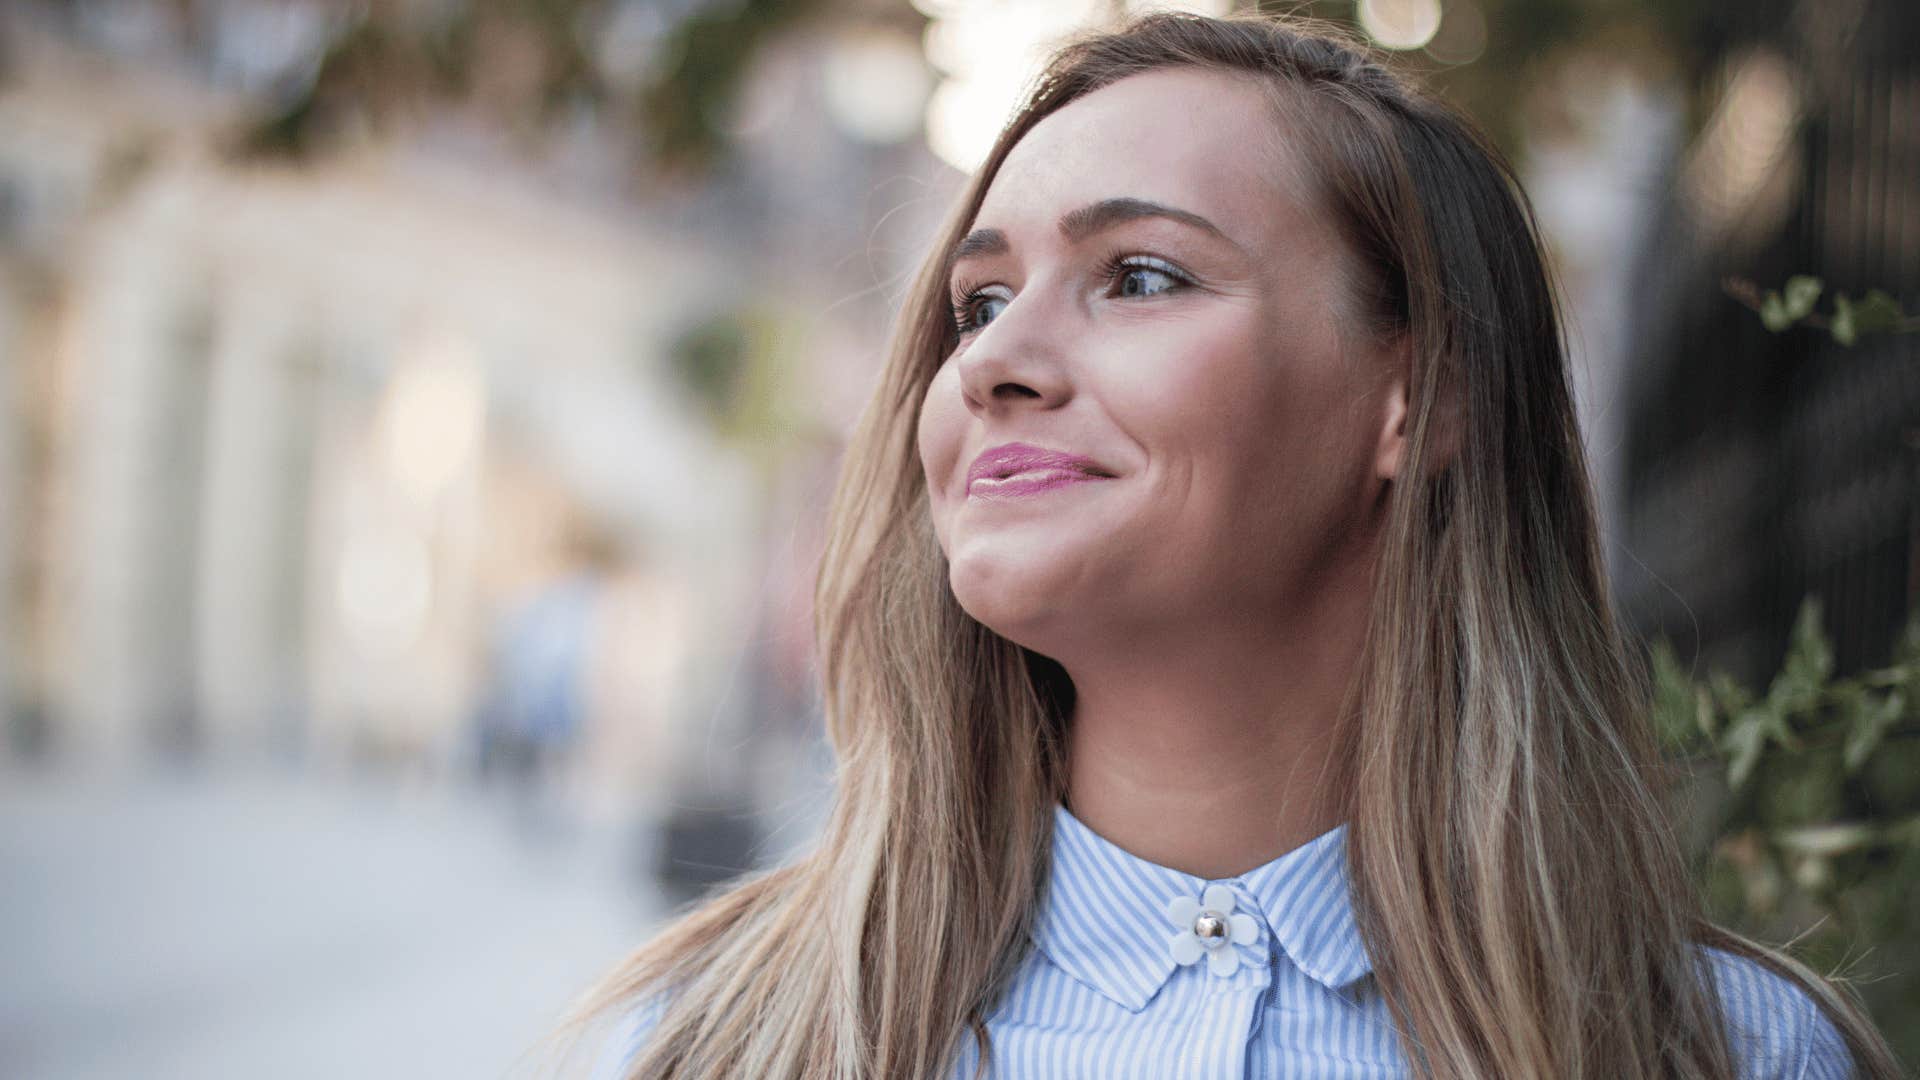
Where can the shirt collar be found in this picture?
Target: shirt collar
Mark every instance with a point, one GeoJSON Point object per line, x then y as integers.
{"type": "Point", "coordinates": [1103, 914]}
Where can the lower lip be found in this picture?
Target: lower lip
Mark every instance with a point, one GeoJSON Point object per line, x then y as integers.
{"type": "Point", "coordinates": [1024, 484]}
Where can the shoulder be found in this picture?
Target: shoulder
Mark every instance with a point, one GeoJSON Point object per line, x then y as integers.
{"type": "Point", "coordinates": [1777, 1031]}
{"type": "Point", "coordinates": [615, 1059]}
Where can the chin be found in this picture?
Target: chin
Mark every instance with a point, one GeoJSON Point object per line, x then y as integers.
{"type": "Point", "coordinates": [1023, 604]}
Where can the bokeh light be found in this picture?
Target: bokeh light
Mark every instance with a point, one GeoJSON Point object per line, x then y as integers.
{"type": "Point", "coordinates": [432, 418]}
{"type": "Point", "coordinates": [1743, 144]}
{"type": "Point", "coordinates": [876, 84]}
{"type": "Point", "coordinates": [1399, 24]}
{"type": "Point", "coordinates": [990, 50]}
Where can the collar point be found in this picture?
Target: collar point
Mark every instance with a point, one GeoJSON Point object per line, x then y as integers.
{"type": "Point", "coordinates": [1339, 976]}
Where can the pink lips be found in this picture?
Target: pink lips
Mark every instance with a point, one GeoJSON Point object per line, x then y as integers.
{"type": "Point", "coordinates": [1021, 469]}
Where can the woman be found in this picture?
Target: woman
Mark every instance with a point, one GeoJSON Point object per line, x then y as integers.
{"type": "Point", "coordinates": [1215, 641]}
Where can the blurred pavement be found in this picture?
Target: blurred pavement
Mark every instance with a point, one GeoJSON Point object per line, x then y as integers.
{"type": "Point", "coordinates": [212, 927]}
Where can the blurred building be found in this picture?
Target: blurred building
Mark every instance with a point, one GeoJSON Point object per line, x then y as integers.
{"type": "Point", "coordinates": [291, 443]}
{"type": "Point", "coordinates": [305, 430]}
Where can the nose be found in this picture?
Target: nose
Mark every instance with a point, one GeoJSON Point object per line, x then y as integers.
{"type": "Point", "coordinates": [1018, 360]}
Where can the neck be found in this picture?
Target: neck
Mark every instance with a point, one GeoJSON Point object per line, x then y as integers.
{"type": "Point", "coordinates": [1216, 754]}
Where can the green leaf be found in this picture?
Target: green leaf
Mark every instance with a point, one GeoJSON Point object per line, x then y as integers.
{"type": "Point", "coordinates": [1773, 312]}
{"type": "Point", "coordinates": [1890, 778]}
{"type": "Point", "coordinates": [1813, 873]}
{"type": "Point", "coordinates": [1809, 653]}
{"type": "Point", "coordinates": [1826, 840]}
{"type": "Point", "coordinates": [1703, 712]}
{"type": "Point", "coordinates": [1743, 743]}
{"type": "Point", "coordinates": [1871, 717]}
{"type": "Point", "coordinates": [1896, 675]}
{"type": "Point", "coordinates": [1725, 888]}
{"type": "Point", "coordinates": [1794, 693]}
{"type": "Point", "coordinates": [1907, 650]}
{"type": "Point", "coordinates": [1857, 712]}
{"type": "Point", "coordinates": [1905, 832]}
{"type": "Point", "coordinates": [1729, 696]}
{"type": "Point", "coordinates": [1842, 326]}
{"type": "Point", "coordinates": [1877, 313]}
{"type": "Point", "coordinates": [1803, 789]}
{"type": "Point", "coordinates": [1673, 698]}
{"type": "Point", "coordinates": [1773, 721]}
{"type": "Point", "coordinates": [1802, 290]}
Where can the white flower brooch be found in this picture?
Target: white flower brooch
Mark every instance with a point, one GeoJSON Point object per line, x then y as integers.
{"type": "Point", "coordinates": [1208, 927]}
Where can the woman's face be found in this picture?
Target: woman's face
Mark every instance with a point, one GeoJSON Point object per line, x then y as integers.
{"type": "Point", "coordinates": [1144, 292]}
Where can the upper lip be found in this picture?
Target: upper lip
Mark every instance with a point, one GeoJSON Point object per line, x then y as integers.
{"type": "Point", "coordinates": [1000, 462]}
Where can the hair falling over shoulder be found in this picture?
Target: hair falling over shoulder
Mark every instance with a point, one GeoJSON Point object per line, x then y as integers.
{"type": "Point", "coordinates": [1521, 893]}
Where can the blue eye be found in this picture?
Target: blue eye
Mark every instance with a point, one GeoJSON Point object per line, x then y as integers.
{"type": "Point", "coordinates": [967, 310]}
{"type": "Point", "coordinates": [1143, 276]}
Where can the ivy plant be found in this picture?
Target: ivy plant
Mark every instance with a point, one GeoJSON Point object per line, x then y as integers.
{"type": "Point", "coordinates": [1846, 321]}
{"type": "Point", "coordinates": [1804, 799]}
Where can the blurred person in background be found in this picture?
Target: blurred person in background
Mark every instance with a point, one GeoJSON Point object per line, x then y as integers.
{"type": "Point", "coordinates": [528, 722]}
{"type": "Point", "coordinates": [530, 716]}
{"type": "Point", "coordinates": [1215, 640]}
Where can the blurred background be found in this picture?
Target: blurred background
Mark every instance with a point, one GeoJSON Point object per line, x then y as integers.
{"type": "Point", "coordinates": [417, 419]}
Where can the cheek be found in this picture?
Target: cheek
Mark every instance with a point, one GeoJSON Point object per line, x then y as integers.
{"type": "Point", "coordinates": [1243, 411]}
{"type": "Point", "coordinates": [1200, 390]}
{"type": "Point", "coordinates": [942, 426]}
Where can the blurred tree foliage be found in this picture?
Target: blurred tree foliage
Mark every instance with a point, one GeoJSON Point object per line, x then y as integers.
{"type": "Point", "coordinates": [1807, 809]}
{"type": "Point", "coordinates": [740, 365]}
{"type": "Point", "coordinates": [526, 63]}
{"type": "Point", "coordinates": [1526, 47]}
{"type": "Point", "coordinates": [736, 364]}
{"type": "Point", "coordinates": [519, 60]}
{"type": "Point", "coordinates": [711, 53]}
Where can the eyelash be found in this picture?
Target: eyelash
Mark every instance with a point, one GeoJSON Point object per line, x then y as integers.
{"type": "Point", "coordinates": [967, 296]}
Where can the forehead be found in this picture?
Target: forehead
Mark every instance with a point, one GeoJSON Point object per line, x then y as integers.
{"type": "Point", "coordinates": [1203, 141]}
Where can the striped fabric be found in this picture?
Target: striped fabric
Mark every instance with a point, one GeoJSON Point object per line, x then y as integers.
{"type": "Point", "coordinates": [1102, 997]}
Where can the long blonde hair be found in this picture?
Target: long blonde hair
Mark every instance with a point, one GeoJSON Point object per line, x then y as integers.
{"type": "Point", "coordinates": [1519, 888]}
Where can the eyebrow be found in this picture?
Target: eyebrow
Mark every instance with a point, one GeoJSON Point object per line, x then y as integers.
{"type": "Point", "coordinates": [1077, 225]}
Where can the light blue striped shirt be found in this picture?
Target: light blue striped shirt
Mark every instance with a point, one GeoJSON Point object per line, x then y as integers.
{"type": "Point", "coordinates": [1103, 997]}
